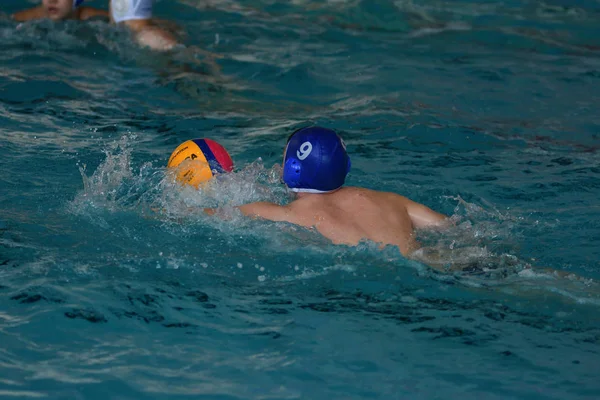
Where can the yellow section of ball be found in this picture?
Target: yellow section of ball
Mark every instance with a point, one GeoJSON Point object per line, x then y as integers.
{"type": "Point", "coordinates": [189, 164]}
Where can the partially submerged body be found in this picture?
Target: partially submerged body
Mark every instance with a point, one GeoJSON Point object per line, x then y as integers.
{"type": "Point", "coordinates": [350, 215]}
{"type": "Point", "coordinates": [136, 15]}
{"type": "Point", "coordinates": [315, 165]}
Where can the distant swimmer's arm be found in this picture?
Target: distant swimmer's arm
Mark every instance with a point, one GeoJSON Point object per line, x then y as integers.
{"type": "Point", "coordinates": [423, 216]}
{"type": "Point", "coordinates": [89, 12]}
{"type": "Point", "coordinates": [28, 15]}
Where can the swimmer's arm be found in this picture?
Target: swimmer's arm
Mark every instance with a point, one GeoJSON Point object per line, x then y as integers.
{"type": "Point", "coordinates": [90, 12]}
{"type": "Point", "coordinates": [266, 210]}
{"type": "Point", "coordinates": [30, 14]}
{"type": "Point", "coordinates": [424, 217]}
{"type": "Point", "coordinates": [260, 209]}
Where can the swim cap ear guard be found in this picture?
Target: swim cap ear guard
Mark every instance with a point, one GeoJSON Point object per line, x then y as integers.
{"type": "Point", "coordinates": [291, 172]}
{"type": "Point", "coordinates": [315, 161]}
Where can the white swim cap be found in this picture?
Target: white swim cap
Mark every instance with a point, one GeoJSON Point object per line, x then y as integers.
{"type": "Point", "coordinates": [77, 3]}
{"type": "Point", "coordinates": [125, 10]}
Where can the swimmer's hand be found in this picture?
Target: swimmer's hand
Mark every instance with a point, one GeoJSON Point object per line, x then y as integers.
{"type": "Point", "coordinates": [441, 260]}
{"type": "Point", "coordinates": [223, 213]}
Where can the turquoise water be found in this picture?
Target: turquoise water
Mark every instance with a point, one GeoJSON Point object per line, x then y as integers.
{"type": "Point", "coordinates": [111, 286]}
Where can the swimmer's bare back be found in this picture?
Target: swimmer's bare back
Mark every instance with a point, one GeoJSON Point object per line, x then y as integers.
{"type": "Point", "coordinates": [352, 214]}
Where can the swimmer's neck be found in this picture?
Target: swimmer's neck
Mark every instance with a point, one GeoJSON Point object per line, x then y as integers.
{"type": "Point", "coordinates": [300, 195]}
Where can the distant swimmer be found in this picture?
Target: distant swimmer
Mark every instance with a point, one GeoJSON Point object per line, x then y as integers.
{"type": "Point", "coordinates": [315, 165]}
{"type": "Point", "coordinates": [60, 10]}
{"type": "Point", "coordinates": [136, 15]}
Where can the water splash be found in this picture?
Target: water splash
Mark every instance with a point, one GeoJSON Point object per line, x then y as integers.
{"type": "Point", "coordinates": [117, 185]}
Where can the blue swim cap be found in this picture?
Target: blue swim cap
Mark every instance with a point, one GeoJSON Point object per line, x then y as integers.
{"type": "Point", "coordinates": [77, 3]}
{"type": "Point", "coordinates": [315, 161]}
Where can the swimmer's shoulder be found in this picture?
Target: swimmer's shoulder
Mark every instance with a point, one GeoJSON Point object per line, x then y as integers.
{"type": "Point", "coordinates": [29, 14]}
{"type": "Point", "coordinates": [384, 201]}
{"type": "Point", "coordinates": [86, 13]}
{"type": "Point", "coordinates": [349, 198]}
{"type": "Point", "coordinates": [359, 193]}
{"type": "Point", "coordinates": [353, 191]}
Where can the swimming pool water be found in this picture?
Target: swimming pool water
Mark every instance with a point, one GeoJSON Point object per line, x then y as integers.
{"type": "Point", "coordinates": [110, 287]}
